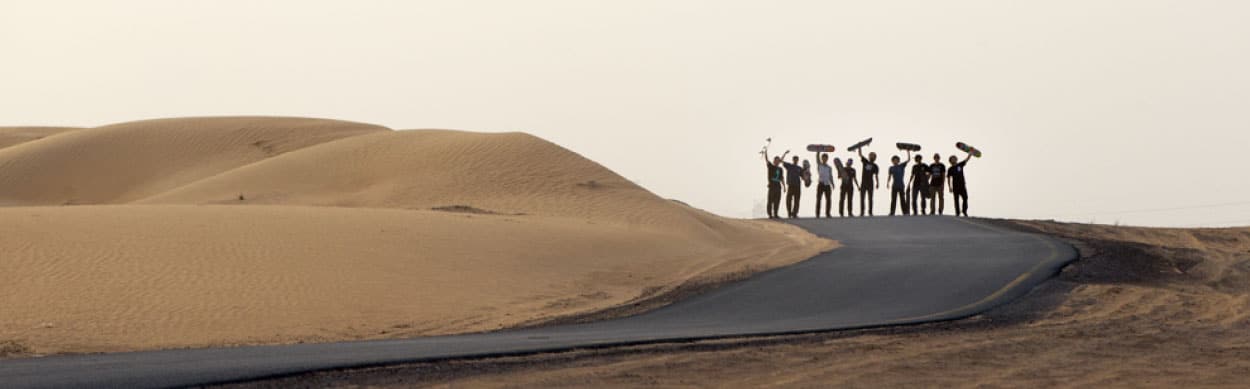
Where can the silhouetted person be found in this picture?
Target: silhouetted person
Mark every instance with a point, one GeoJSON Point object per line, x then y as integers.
{"type": "Point", "coordinates": [919, 186]}
{"type": "Point", "coordinates": [959, 188]}
{"type": "Point", "coordinates": [794, 186]}
{"type": "Point", "coordinates": [824, 184]}
{"type": "Point", "coordinates": [869, 184]}
{"type": "Point", "coordinates": [894, 182]}
{"type": "Point", "coordinates": [937, 182]}
{"type": "Point", "coordinates": [846, 201]}
{"type": "Point", "coordinates": [774, 184]}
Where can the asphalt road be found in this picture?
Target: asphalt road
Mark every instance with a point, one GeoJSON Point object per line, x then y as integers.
{"type": "Point", "coordinates": [890, 271]}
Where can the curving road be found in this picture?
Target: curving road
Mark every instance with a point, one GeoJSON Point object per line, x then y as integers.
{"type": "Point", "coordinates": [890, 271]}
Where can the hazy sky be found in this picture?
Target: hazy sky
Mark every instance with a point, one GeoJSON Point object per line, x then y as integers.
{"type": "Point", "coordinates": [1087, 110]}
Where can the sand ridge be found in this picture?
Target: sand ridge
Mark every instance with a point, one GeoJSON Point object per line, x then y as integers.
{"type": "Point", "coordinates": [128, 161]}
{"type": "Point", "coordinates": [13, 136]}
{"type": "Point", "coordinates": [257, 230]}
{"type": "Point", "coordinates": [421, 169]}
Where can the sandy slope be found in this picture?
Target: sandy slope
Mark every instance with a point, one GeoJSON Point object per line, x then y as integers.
{"type": "Point", "coordinates": [128, 161]}
{"type": "Point", "coordinates": [335, 238]}
{"type": "Point", "coordinates": [1144, 307]}
{"type": "Point", "coordinates": [505, 173]}
{"type": "Point", "coordinates": [12, 136]}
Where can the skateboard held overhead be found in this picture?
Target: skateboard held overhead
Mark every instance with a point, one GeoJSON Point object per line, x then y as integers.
{"type": "Point", "coordinates": [857, 146]}
{"type": "Point", "coordinates": [908, 146]}
{"type": "Point", "coordinates": [821, 148]}
{"type": "Point", "coordinates": [968, 149]}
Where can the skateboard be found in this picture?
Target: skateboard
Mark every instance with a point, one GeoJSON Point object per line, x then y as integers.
{"type": "Point", "coordinates": [837, 163]}
{"type": "Point", "coordinates": [821, 148]}
{"type": "Point", "coordinates": [908, 146]}
{"type": "Point", "coordinates": [968, 149]}
{"type": "Point", "coordinates": [807, 173]}
{"type": "Point", "coordinates": [857, 146]}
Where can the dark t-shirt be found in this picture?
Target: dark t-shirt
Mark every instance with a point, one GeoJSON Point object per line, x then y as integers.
{"type": "Point", "coordinates": [794, 174]}
{"type": "Point", "coordinates": [870, 173]}
{"type": "Point", "coordinates": [920, 175]}
{"type": "Point", "coordinates": [957, 175]}
{"type": "Point", "coordinates": [898, 173]}
{"type": "Point", "coordinates": [774, 173]}
{"type": "Point", "coordinates": [848, 177]}
{"type": "Point", "coordinates": [937, 173]}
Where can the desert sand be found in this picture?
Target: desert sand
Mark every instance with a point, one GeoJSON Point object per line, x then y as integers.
{"type": "Point", "coordinates": [202, 232]}
{"type": "Point", "coordinates": [1143, 307]}
{"type": "Point", "coordinates": [12, 136]}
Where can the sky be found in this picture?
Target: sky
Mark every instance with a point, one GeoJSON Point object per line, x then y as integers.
{"type": "Point", "coordinates": [1132, 111]}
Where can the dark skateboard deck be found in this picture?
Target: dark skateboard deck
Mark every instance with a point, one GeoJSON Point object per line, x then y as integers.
{"type": "Point", "coordinates": [859, 145]}
{"type": "Point", "coordinates": [908, 146]}
{"type": "Point", "coordinates": [807, 173]}
{"type": "Point", "coordinates": [968, 149]}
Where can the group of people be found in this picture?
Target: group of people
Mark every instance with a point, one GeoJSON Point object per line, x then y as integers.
{"type": "Point", "coordinates": [923, 189]}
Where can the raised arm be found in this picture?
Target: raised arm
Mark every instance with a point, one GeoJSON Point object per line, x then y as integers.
{"type": "Point", "coordinates": [967, 158]}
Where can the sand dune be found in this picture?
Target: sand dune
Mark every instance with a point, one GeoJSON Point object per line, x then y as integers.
{"type": "Point", "coordinates": [12, 136]}
{"type": "Point", "coordinates": [129, 161]}
{"type": "Point", "coordinates": [422, 169]}
{"type": "Point", "coordinates": [335, 238]}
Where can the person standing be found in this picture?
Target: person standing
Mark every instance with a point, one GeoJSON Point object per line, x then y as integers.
{"type": "Point", "coordinates": [794, 186]}
{"type": "Point", "coordinates": [919, 186]}
{"type": "Point", "coordinates": [824, 184]}
{"type": "Point", "coordinates": [894, 182]}
{"type": "Point", "coordinates": [870, 183]}
{"type": "Point", "coordinates": [774, 184]}
{"type": "Point", "coordinates": [937, 182]}
{"type": "Point", "coordinates": [846, 201]}
{"type": "Point", "coordinates": [959, 188]}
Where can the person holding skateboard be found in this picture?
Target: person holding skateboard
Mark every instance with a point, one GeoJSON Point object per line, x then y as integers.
{"type": "Point", "coordinates": [937, 180]}
{"type": "Point", "coordinates": [846, 201]}
{"type": "Point", "coordinates": [794, 186]}
{"type": "Point", "coordinates": [959, 188]}
{"type": "Point", "coordinates": [919, 186]}
{"type": "Point", "coordinates": [870, 182]}
{"type": "Point", "coordinates": [899, 191]}
{"type": "Point", "coordinates": [824, 184]}
{"type": "Point", "coordinates": [774, 183]}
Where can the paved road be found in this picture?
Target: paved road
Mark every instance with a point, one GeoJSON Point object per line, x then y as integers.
{"type": "Point", "coordinates": [890, 271]}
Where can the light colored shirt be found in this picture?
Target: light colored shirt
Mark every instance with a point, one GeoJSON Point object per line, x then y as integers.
{"type": "Point", "coordinates": [826, 174]}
